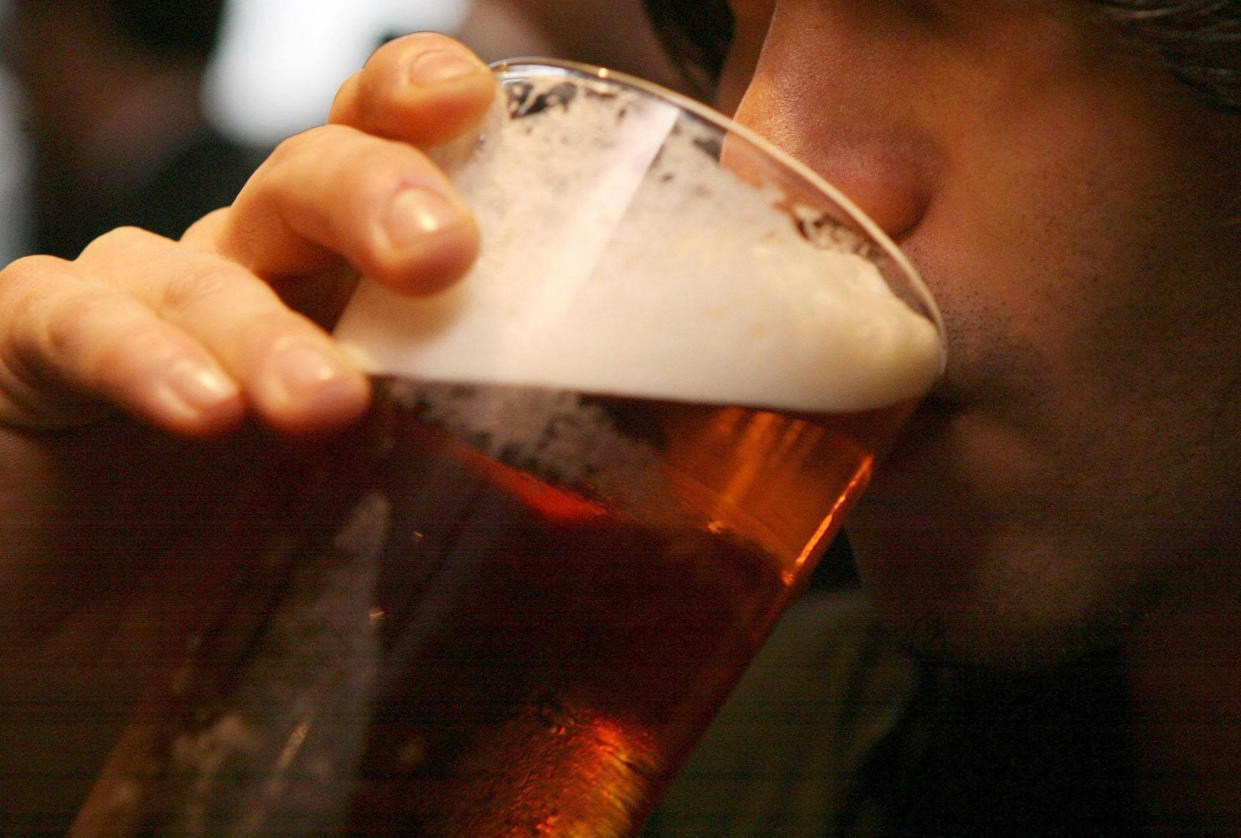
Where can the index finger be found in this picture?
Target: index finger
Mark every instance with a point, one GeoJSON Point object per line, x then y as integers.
{"type": "Point", "coordinates": [425, 89]}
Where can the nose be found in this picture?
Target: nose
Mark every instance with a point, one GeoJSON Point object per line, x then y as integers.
{"type": "Point", "coordinates": [835, 104]}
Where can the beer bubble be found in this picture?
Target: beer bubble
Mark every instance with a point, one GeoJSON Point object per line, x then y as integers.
{"type": "Point", "coordinates": [637, 263]}
{"type": "Point", "coordinates": [566, 437]}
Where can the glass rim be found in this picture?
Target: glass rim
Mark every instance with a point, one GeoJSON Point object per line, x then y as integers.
{"type": "Point", "coordinates": [727, 124]}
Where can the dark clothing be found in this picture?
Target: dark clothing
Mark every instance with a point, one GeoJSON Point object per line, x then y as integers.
{"type": "Point", "coordinates": [203, 173]}
{"type": "Point", "coordinates": [833, 732]}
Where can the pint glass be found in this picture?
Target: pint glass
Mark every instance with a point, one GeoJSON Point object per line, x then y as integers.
{"type": "Point", "coordinates": [595, 473]}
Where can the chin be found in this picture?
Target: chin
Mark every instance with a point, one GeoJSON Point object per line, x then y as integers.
{"type": "Point", "coordinates": [957, 638]}
{"type": "Point", "coordinates": [952, 596]}
{"type": "Point", "coordinates": [968, 560]}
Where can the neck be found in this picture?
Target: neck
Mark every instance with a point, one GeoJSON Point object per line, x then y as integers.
{"type": "Point", "coordinates": [1185, 671]}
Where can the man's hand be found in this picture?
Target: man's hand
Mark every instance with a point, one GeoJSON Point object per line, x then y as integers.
{"type": "Point", "coordinates": [142, 383]}
{"type": "Point", "coordinates": [193, 336]}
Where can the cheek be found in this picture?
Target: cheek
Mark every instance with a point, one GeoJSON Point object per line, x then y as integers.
{"type": "Point", "coordinates": [1079, 360]}
{"type": "Point", "coordinates": [1084, 430]}
{"type": "Point", "coordinates": [1087, 263]}
{"type": "Point", "coordinates": [1006, 537]}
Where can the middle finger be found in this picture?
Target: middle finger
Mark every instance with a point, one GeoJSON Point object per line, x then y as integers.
{"type": "Point", "coordinates": [380, 204]}
{"type": "Point", "coordinates": [290, 371]}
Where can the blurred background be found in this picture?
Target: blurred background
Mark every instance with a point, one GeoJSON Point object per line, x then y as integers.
{"type": "Point", "coordinates": [280, 61]}
{"type": "Point", "coordinates": [152, 112]}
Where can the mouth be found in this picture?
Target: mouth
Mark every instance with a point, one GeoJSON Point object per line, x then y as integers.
{"type": "Point", "coordinates": [946, 394]}
{"type": "Point", "coordinates": [942, 402]}
{"type": "Point", "coordinates": [926, 424]}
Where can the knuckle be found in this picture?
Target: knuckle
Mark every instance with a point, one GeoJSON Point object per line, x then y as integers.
{"type": "Point", "coordinates": [28, 271]}
{"type": "Point", "coordinates": [196, 285]}
{"type": "Point", "coordinates": [345, 100]}
{"type": "Point", "coordinates": [303, 145]}
{"type": "Point", "coordinates": [132, 353]}
{"type": "Point", "coordinates": [69, 319]}
{"type": "Point", "coordinates": [26, 286]}
{"type": "Point", "coordinates": [141, 342]}
{"type": "Point", "coordinates": [283, 150]}
{"type": "Point", "coordinates": [103, 334]}
{"type": "Point", "coordinates": [121, 241]}
{"type": "Point", "coordinates": [203, 233]}
{"type": "Point", "coordinates": [271, 330]}
{"type": "Point", "coordinates": [339, 174]}
{"type": "Point", "coordinates": [72, 334]}
{"type": "Point", "coordinates": [291, 173]}
{"type": "Point", "coordinates": [262, 334]}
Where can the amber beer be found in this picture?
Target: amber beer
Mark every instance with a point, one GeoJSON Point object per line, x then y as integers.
{"type": "Point", "coordinates": [516, 636]}
{"type": "Point", "coordinates": [578, 627]}
{"type": "Point", "coordinates": [595, 473]}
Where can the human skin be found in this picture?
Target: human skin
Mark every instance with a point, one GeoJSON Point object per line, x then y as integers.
{"type": "Point", "coordinates": [141, 384]}
{"type": "Point", "coordinates": [1071, 206]}
{"type": "Point", "coordinates": [200, 339]}
{"type": "Point", "coordinates": [1073, 481]}
{"type": "Point", "coordinates": [1075, 212]}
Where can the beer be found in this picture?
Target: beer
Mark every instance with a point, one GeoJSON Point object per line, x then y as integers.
{"type": "Point", "coordinates": [475, 635]}
{"type": "Point", "coordinates": [585, 637]}
{"type": "Point", "coordinates": [595, 473]}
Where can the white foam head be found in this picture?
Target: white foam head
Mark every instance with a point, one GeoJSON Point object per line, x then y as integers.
{"type": "Point", "coordinates": [620, 258]}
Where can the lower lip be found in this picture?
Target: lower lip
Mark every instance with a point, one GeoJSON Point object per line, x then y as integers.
{"type": "Point", "coordinates": [924, 427]}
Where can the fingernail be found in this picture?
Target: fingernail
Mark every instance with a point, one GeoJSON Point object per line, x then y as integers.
{"type": "Point", "coordinates": [414, 213]}
{"type": "Point", "coordinates": [197, 386]}
{"type": "Point", "coordinates": [304, 368]}
{"type": "Point", "coordinates": [441, 65]}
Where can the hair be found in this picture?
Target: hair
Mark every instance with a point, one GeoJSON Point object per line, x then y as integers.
{"type": "Point", "coordinates": [696, 33]}
{"type": "Point", "coordinates": [1199, 41]}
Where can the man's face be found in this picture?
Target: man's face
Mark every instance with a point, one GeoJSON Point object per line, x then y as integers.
{"type": "Point", "coordinates": [1075, 211]}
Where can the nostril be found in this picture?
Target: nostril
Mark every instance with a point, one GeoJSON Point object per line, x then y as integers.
{"type": "Point", "coordinates": [882, 165]}
{"type": "Point", "coordinates": [890, 187]}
